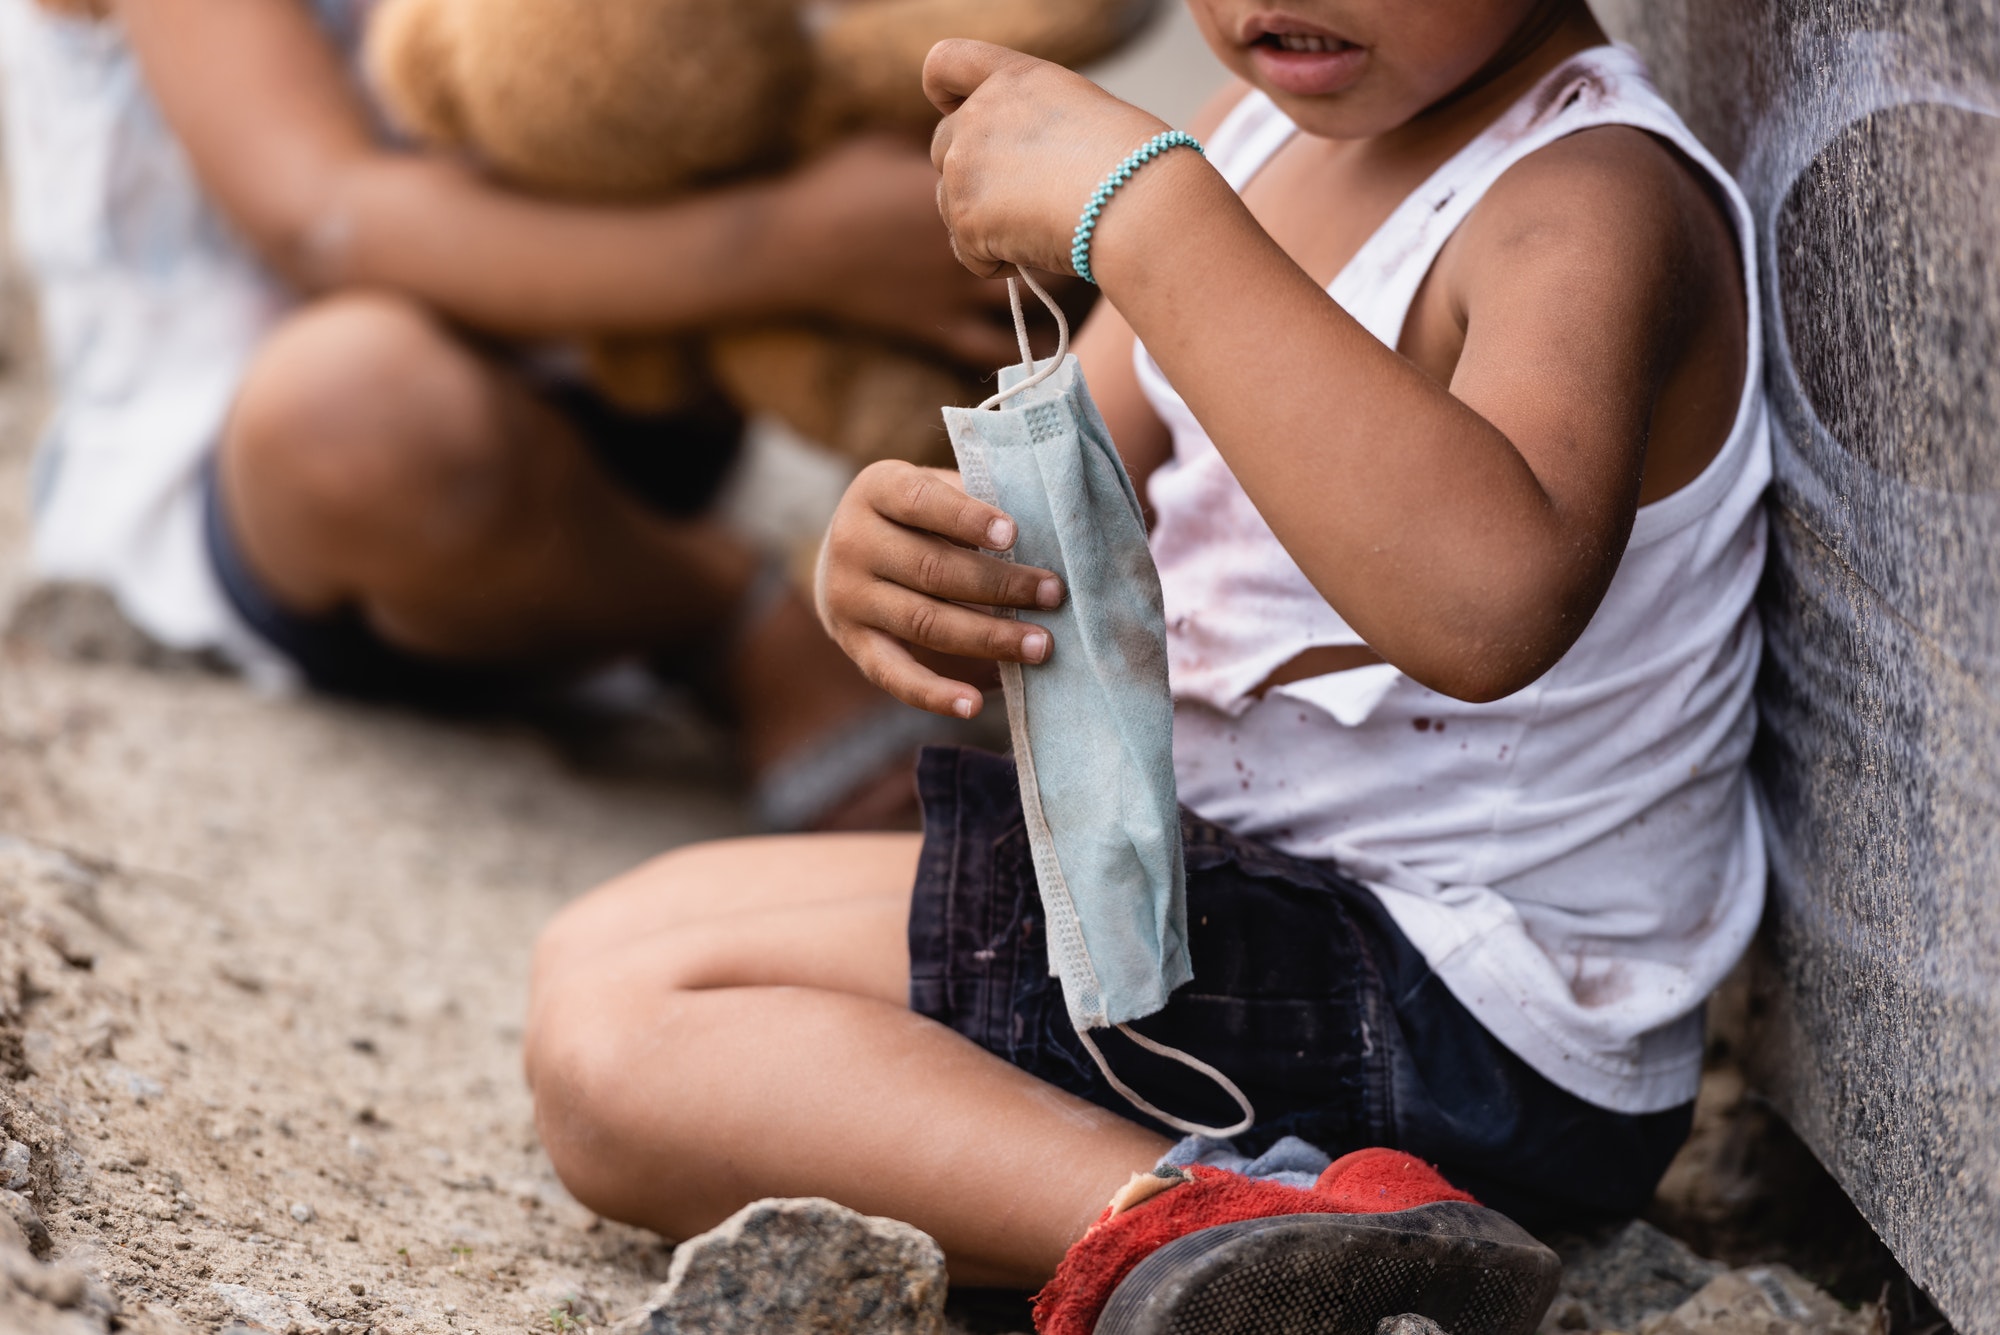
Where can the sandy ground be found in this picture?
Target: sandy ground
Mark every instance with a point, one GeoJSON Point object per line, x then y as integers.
{"type": "Point", "coordinates": [262, 972]}
{"type": "Point", "coordinates": [261, 984]}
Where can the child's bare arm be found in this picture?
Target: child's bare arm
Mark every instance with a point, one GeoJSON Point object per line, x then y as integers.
{"type": "Point", "coordinates": [1466, 532]}
{"type": "Point", "coordinates": [1105, 344]}
{"type": "Point", "coordinates": [273, 126]}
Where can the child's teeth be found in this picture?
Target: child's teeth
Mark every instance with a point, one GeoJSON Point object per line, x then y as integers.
{"type": "Point", "coordinates": [1298, 41]}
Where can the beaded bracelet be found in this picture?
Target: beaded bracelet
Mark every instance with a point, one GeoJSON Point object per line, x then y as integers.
{"type": "Point", "coordinates": [1086, 227]}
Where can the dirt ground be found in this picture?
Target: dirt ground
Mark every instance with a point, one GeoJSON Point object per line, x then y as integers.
{"type": "Point", "coordinates": [262, 972]}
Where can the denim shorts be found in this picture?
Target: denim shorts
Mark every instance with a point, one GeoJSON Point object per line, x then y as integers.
{"type": "Point", "coordinates": [1305, 993]}
{"type": "Point", "coordinates": [673, 463]}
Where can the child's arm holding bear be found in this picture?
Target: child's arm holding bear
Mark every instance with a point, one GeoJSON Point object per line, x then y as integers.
{"type": "Point", "coordinates": [278, 134]}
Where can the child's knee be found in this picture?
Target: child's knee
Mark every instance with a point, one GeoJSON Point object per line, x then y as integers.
{"type": "Point", "coordinates": [583, 1065]}
{"type": "Point", "coordinates": [574, 1070]}
{"type": "Point", "coordinates": [363, 408]}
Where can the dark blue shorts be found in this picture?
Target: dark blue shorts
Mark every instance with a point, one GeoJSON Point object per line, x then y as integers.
{"type": "Point", "coordinates": [674, 463]}
{"type": "Point", "coordinates": [1304, 993]}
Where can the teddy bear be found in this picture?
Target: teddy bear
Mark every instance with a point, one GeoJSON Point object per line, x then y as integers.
{"type": "Point", "coordinates": [640, 100]}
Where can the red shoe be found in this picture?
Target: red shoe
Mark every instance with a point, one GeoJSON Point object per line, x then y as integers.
{"type": "Point", "coordinates": [1380, 1233]}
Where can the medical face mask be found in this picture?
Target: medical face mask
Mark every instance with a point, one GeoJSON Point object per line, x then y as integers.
{"type": "Point", "coordinates": [1092, 727]}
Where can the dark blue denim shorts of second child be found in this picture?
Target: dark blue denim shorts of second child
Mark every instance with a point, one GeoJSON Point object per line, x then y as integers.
{"type": "Point", "coordinates": [1304, 993]}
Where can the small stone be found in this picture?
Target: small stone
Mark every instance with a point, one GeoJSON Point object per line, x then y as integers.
{"type": "Point", "coordinates": [1409, 1323]}
{"type": "Point", "coordinates": [12, 1237]}
{"type": "Point", "coordinates": [143, 1088]}
{"type": "Point", "coordinates": [1616, 1279]}
{"type": "Point", "coordinates": [303, 1213]}
{"type": "Point", "coordinates": [22, 1211]}
{"type": "Point", "coordinates": [269, 1311]}
{"type": "Point", "coordinates": [60, 1285]}
{"type": "Point", "coordinates": [1764, 1300]}
{"type": "Point", "coordinates": [804, 1264]}
{"type": "Point", "coordinates": [14, 1167]}
{"type": "Point", "coordinates": [357, 1289]}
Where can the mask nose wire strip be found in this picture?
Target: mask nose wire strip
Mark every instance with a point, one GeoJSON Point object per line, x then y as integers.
{"type": "Point", "coordinates": [1021, 332]}
{"type": "Point", "coordinates": [1132, 1097]}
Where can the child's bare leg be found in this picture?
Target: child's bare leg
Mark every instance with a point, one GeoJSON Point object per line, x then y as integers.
{"type": "Point", "coordinates": [730, 1022]}
{"type": "Point", "coordinates": [375, 459]}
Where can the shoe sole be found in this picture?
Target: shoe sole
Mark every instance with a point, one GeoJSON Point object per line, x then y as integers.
{"type": "Point", "coordinates": [1470, 1269]}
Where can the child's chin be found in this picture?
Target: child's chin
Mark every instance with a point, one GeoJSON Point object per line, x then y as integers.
{"type": "Point", "coordinates": [1309, 73]}
{"type": "Point", "coordinates": [1357, 114]}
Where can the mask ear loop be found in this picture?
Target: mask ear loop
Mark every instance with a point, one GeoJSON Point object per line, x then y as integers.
{"type": "Point", "coordinates": [1021, 334]}
{"type": "Point", "coordinates": [1188, 1060]}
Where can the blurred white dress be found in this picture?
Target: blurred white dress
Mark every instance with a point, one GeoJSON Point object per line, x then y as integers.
{"type": "Point", "coordinates": [151, 310]}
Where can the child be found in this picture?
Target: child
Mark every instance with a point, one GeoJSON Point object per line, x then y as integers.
{"type": "Point", "coordinates": [1439, 376]}
{"type": "Point", "coordinates": [284, 427]}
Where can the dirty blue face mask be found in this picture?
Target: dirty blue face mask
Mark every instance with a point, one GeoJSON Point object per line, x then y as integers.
{"type": "Point", "coordinates": [1092, 728]}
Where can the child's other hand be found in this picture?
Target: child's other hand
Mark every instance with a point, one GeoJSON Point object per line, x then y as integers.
{"type": "Point", "coordinates": [1022, 145]}
{"type": "Point", "coordinates": [875, 257]}
{"type": "Point", "coordinates": [906, 549]}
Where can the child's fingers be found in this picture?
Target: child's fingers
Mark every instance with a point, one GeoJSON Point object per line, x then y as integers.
{"type": "Point", "coordinates": [930, 565]}
{"type": "Point", "coordinates": [933, 623]}
{"type": "Point", "coordinates": [956, 67]}
{"type": "Point", "coordinates": [929, 499]}
{"type": "Point", "coordinates": [892, 668]}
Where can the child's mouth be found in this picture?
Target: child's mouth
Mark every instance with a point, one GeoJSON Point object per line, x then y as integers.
{"type": "Point", "coordinates": [1305, 63]}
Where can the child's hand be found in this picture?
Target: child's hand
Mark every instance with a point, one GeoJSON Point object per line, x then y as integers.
{"type": "Point", "coordinates": [1022, 146]}
{"type": "Point", "coordinates": [895, 568]}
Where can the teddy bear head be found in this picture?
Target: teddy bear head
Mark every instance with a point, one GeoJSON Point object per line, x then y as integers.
{"type": "Point", "coordinates": [603, 99]}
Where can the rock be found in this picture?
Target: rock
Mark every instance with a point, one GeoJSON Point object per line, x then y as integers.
{"type": "Point", "coordinates": [153, 1319]}
{"type": "Point", "coordinates": [60, 1286]}
{"type": "Point", "coordinates": [1615, 1280]}
{"type": "Point", "coordinates": [142, 1088]}
{"type": "Point", "coordinates": [302, 1213]}
{"type": "Point", "coordinates": [268, 1311]}
{"type": "Point", "coordinates": [1409, 1323]}
{"type": "Point", "coordinates": [804, 1265]}
{"type": "Point", "coordinates": [1765, 1300]}
{"type": "Point", "coordinates": [14, 1167]}
{"type": "Point", "coordinates": [78, 623]}
{"type": "Point", "coordinates": [22, 1211]}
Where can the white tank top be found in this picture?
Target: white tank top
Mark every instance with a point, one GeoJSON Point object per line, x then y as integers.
{"type": "Point", "coordinates": [1580, 862]}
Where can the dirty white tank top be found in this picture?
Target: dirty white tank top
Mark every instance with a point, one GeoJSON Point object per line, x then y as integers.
{"type": "Point", "coordinates": [1580, 862]}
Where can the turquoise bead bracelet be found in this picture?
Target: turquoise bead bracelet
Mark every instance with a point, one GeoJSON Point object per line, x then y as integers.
{"type": "Point", "coordinates": [1086, 226]}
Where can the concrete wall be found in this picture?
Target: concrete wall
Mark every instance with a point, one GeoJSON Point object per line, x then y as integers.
{"type": "Point", "coordinates": [1867, 136]}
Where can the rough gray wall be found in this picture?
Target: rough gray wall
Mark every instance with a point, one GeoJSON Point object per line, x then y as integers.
{"type": "Point", "coordinates": [1867, 136]}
